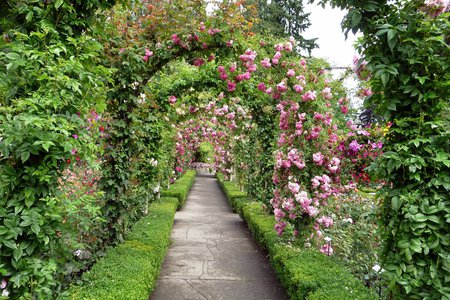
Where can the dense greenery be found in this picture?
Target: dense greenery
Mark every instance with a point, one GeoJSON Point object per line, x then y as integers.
{"type": "Point", "coordinates": [51, 77]}
{"type": "Point", "coordinates": [405, 50]}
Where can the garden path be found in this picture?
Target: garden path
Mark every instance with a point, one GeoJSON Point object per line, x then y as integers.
{"type": "Point", "coordinates": [212, 255]}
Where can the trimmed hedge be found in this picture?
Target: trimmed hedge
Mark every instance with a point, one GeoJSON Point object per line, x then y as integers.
{"type": "Point", "coordinates": [130, 270]}
{"type": "Point", "coordinates": [181, 187]}
{"type": "Point", "coordinates": [305, 273]}
{"type": "Point", "coordinates": [236, 198]}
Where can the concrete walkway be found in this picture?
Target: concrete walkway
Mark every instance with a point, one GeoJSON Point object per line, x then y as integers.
{"type": "Point", "coordinates": [213, 255]}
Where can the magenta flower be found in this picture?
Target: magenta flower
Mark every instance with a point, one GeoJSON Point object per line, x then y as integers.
{"type": "Point", "coordinates": [221, 69]}
{"type": "Point", "coordinates": [266, 63]}
{"type": "Point", "coordinates": [279, 227]}
{"type": "Point", "coordinates": [279, 214]}
{"type": "Point", "coordinates": [290, 73]}
{"type": "Point", "coordinates": [281, 87]}
{"type": "Point", "coordinates": [293, 187]}
{"type": "Point", "coordinates": [325, 221]}
{"type": "Point", "coordinates": [261, 86]}
{"type": "Point", "coordinates": [354, 146]}
{"type": "Point", "coordinates": [246, 76]}
{"type": "Point", "coordinates": [326, 93]}
{"type": "Point", "coordinates": [223, 75]}
{"type": "Point", "coordinates": [327, 249]}
{"type": "Point", "coordinates": [298, 88]}
{"type": "Point", "coordinates": [75, 136]}
{"type": "Point", "coordinates": [148, 52]}
{"type": "Point", "coordinates": [233, 67]}
{"type": "Point", "coordinates": [231, 86]}
{"type": "Point", "coordinates": [312, 211]}
{"type": "Point", "coordinates": [172, 99]}
{"type": "Point", "coordinates": [318, 158]}
{"type": "Point", "coordinates": [309, 96]}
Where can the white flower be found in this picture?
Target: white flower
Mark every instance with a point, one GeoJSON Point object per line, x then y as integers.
{"type": "Point", "coordinates": [348, 220]}
{"type": "Point", "coordinates": [153, 162]}
{"type": "Point", "coordinates": [156, 189]}
{"type": "Point", "coordinates": [327, 239]}
{"type": "Point", "coordinates": [77, 252]}
{"type": "Point", "coordinates": [376, 268]}
{"type": "Point", "coordinates": [5, 293]}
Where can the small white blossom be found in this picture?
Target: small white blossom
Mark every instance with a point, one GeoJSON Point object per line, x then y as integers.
{"type": "Point", "coordinates": [348, 220]}
{"type": "Point", "coordinates": [327, 239]}
{"type": "Point", "coordinates": [153, 162]}
{"type": "Point", "coordinates": [376, 268]}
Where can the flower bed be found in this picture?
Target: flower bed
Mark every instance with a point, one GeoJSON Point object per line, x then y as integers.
{"type": "Point", "coordinates": [305, 273]}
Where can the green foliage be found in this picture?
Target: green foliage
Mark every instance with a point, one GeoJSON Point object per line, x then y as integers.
{"type": "Point", "coordinates": [355, 236]}
{"type": "Point", "coordinates": [49, 73]}
{"type": "Point", "coordinates": [130, 270]}
{"type": "Point", "coordinates": [305, 273]}
{"type": "Point", "coordinates": [405, 45]}
{"type": "Point", "coordinates": [284, 18]}
{"type": "Point", "coordinates": [205, 153]}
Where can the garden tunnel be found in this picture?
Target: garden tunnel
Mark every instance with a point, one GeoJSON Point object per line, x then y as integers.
{"type": "Point", "coordinates": [96, 119]}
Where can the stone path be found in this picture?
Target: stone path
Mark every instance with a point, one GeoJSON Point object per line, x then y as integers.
{"type": "Point", "coordinates": [213, 255]}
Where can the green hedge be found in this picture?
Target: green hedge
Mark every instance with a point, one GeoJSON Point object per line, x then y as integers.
{"type": "Point", "coordinates": [130, 270]}
{"type": "Point", "coordinates": [305, 273]}
{"type": "Point", "coordinates": [181, 187]}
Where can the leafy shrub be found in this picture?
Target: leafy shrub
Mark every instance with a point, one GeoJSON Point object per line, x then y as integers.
{"type": "Point", "coordinates": [130, 270]}
{"type": "Point", "coordinates": [181, 187]}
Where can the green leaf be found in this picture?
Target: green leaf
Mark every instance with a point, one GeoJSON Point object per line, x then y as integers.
{"type": "Point", "coordinates": [13, 56]}
{"type": "Point", "coordinates": [25, 155]}
{"type": "Point", "coordinates": [356, 18]}
{"type": "Point", "coordinates": [10, 244]}
{"type": "Point", "coordinates": [392, 106]}
{"type": "Point", "coordinates": [29, 16]}
{"type": "Point", "coordinates": [17, 253]}
{"type": "Point", "coordinates": [35, 228]}
{"type": "Point", "coordinates": [434, 219]}
{"type": "Point", "coordinates": [58, 3]}
{"type": "Point", "coordinates": [3, 230]}
{"type": "Point", "coordinates": [396, 203]}
{"type": "Point", "coordinates": [420, 217]}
